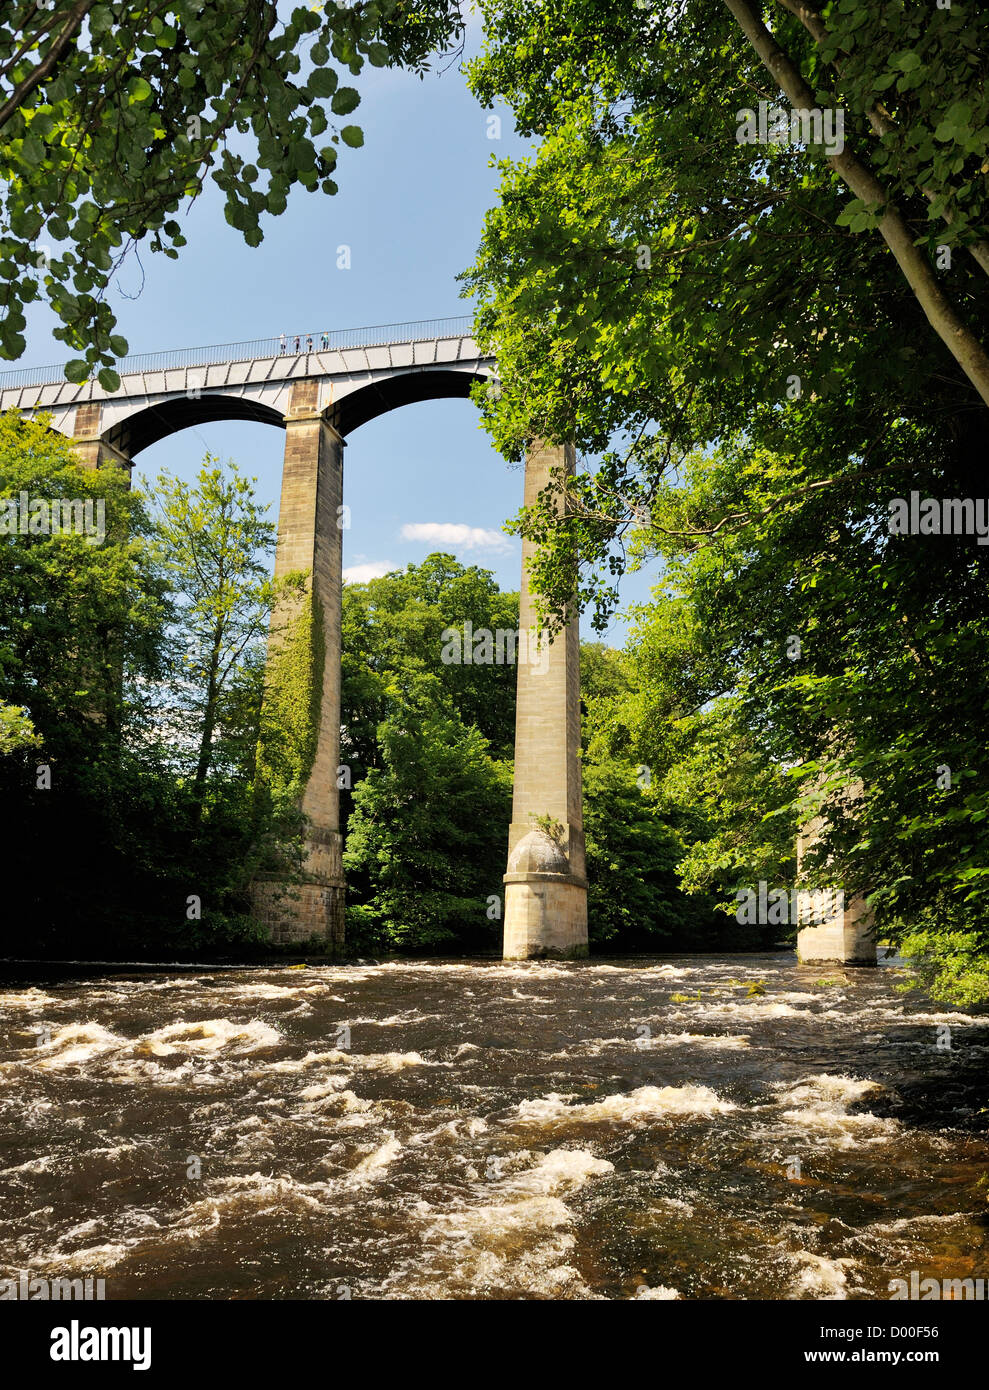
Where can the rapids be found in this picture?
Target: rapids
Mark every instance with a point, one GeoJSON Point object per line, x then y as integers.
{"type": "Point", "coordinates": [708, 1127]}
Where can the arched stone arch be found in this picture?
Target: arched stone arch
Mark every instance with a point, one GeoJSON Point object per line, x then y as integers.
{"type": "Point", "coordinates": [151, 423]}
{"type": "Point", "coordinates": [121, 438]}
{"type": "Point", "coordinates": [545, 914]}
{"type": "Point", "coordinates": [378, 397]}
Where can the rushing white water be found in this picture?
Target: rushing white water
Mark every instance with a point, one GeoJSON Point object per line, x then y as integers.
{"type": "Point", "coordinates": [706, 1127]}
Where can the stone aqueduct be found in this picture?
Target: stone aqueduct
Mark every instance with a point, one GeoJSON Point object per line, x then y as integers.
{"type": "Point", "coordinates": [319, 389]}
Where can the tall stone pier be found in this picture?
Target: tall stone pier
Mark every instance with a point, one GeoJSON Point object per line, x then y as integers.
{"type": "Point", "coordinates": [846, 935]}
{"type": "Point", "coordinates": [546, 885]}
{"type": "Point", "coordinates": [306, 646]}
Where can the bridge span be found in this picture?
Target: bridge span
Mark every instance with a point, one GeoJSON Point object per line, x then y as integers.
{"type": "Point", "coordinates": [320, 387]}
{"type": "Point", "coordinates": [357, 374]}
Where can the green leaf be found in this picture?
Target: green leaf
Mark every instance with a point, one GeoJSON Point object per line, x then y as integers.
{"type": "Point", "coordinates": [353, 136]}
{"type": "Point", "coordinates": [109, 379]}
{"type": "Point", "coordinates": [345, 101]}
{"type": "Point", "coordinates": [323, 83]}
{"type": "Point", "coordinates": [32, 150]}
{"type": "Point", "coordinates": [100, 19]}
{"type": "Point", "coordinates": [959, 113]}
{"type": "Point", "coordinates": [77, 370]}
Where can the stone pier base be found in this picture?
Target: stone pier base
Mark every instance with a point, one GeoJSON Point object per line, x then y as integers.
{"type": "Point", "coordinates": [297, 912]}
{"type": "Point", "coordinates": [545, 917]}
{"type": "Point", "coordinates": [847, 940]}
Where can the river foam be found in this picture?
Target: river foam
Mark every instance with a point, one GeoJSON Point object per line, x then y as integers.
{"type": "Point", "coordinates": [630, 1130]}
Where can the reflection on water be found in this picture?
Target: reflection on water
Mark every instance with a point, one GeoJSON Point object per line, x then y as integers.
{"type": "Point", "coordinates": [661, 1128]}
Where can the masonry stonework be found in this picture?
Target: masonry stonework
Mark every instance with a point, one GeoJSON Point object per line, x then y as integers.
{"type": "Point", "coordinates": [93, 451]}
{"type": "Point", "coordinates": [310, 539]}
{"type": "Point", "coordinates": [849, 937]}
{"type": "Point", "coordinates": [546, 885]}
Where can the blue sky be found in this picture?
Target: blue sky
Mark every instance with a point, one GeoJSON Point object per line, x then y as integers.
{"type": "Point", "coordinates": [410, 207]}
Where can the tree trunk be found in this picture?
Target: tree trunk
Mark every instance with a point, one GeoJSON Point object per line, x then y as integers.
{"type": "Point", "coordinates": [209, 723]}
{"type": "Point", "coordinates": [881, 123]}
{"type": "Point", "coordinates": [960, 341]}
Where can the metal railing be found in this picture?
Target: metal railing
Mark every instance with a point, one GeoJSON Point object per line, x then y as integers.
{"type": "Point", "coordinates": [291, 345]}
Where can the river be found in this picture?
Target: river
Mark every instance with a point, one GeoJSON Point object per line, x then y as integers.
{"type": "Point", "coordinates": [700, 1127]}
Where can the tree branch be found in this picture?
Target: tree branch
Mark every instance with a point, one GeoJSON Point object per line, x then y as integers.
{"type": "Point", "coordinates": [50, 61]}
{"type": "Point", "coordinates": [959, 339]}
{"type": "Point", "coordinates": [880, 122]}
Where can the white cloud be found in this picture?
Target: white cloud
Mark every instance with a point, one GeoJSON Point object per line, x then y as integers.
{"type": "Point", "coordinates": [360, 574]}
{"type": "Point", "coordinates": [455, 534]}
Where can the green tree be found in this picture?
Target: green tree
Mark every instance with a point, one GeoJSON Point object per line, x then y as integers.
{"type": "Point", "coordinates": [426, 837]}
{"type": "Point", "coordinates": [216, 544]}
{"type": "Point", "coordinates": [425, 741]}
{"type": "Point", "coordinates": [96, 774]}
{"type": "Point", "coordinates": [650, 254]}
{"type": "Point", "coordinates": [16, 730]}
{"type": "Point", "coordinates": [722, 330]}
{"type": "Point", "coordinates": [649, 827]}
{"type": "Point", "coordinates": [822, 653]}
{"type": "Point", "coordinates": [113, 113]}
{"type": "Point", "coordinates": [78, 607]}
{"type": "Point", "coordinates": [631, 842]}
{"type": "Point", "coordinates": [393, 644]}
{"type": "Point", "coordinates": [651, 286]}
